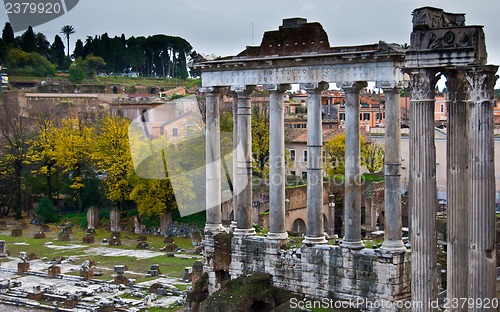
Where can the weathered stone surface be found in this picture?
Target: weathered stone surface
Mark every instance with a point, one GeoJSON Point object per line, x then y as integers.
{"type": "Point", "coordinates": [17, 232]}
{"type": "Point", "coordinates": [64, 236]}
{"type": "Point", "coordinates": [44, 228]}
{"type": "Point", "coordinates": [168, 240]}
{"type": "Point", "coordinates": [171, 247]}
{"type": "Point", "coordinates": [54, 271]}
{"type": "Point", "coordinates": [39, 235]}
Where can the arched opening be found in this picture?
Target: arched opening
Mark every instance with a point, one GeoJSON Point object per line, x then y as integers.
{"type": "Point", "coordinates": [299, 226]}
{"type": "Point", "coordinates": [119, 113]}
{"type": "Point", "coordinates": [231, 215]}
{"type": "Point", "coordinates": [260, 306]}
{"type": "Point", "coordinates": [380, 221]}
{"type": "Point", "coordinates": [154, 90]}
{"type": "Point", "coordinates": [115, 90]}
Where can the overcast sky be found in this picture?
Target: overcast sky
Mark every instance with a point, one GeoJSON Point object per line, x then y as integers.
{"type": "Point", "coordinates": [224, 27]}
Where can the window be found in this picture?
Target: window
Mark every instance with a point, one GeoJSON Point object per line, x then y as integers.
{"type": "Point", "coordinates": [292, 173]}
{"type": "Point", "coordinates": [304, 175]}
{"type": "Point", "coordinates": [379, 116]}
{"type": "Point", "coordinates": [366, 116]}
{"type": "Point", "coordinates": [442, 108]}
{"type": "Point", "coordinates": [292, 154]}
{"type": "Point", "coordinates": [305, 156]}
{"type": "Point", "coordinates": [342, 116]}
{"type": "Point", "coordinates": [175, 132]}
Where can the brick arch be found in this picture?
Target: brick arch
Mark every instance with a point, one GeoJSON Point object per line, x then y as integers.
{"type": "Point", "coordinates": [299, 225]}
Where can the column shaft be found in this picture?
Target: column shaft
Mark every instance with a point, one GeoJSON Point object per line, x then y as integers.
{"type": "Point", "coordinates": [393, 241]}
{"type": "Point", "coordinates": [482, 249]}
{"type": "Point", "coordinates": [315, 227]}
{"type": "Point", "coordinates": [244, 166]}
{"type": "Point", "coordinates": [352, 205]}
{"type": "Point", "coordinates": [457, 188]}
{"type": "Point", "coordinates": [277, 228]}
{"type": "Point", "coordinates": [235, 161]}
{"type": "Point", "coordinates": [213, 163]}
{"type": "Point", "coordinates": [423, 196]}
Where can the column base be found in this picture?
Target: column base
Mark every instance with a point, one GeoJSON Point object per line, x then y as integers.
{"type": "Point", "coordinates": [233, 226]}
{"type": "Point", "coordinates": [214, 228]}
{"type": "Point", "coordinates": [393, 246]}
{"type": "Point", "coordinates": [308, 240]}
{"type": "Point", "coordinates": [277, 236]}
{"type": "Point", "coordinates": [244, 232]}
{"type": "Point", "coordinates": [352, 244]}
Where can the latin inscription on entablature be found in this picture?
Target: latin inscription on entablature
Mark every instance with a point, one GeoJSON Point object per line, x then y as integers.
{"type": "Point", "coordinates": [306, 74]}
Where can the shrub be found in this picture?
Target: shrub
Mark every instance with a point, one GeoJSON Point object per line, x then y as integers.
{"type": "Point", "coordinates": [47, 211]}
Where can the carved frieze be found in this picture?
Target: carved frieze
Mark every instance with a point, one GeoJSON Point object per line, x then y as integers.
{"type": "Point", "coordinates": [448, 38]}
{"type": "Point", "coordinates": [427, 18]}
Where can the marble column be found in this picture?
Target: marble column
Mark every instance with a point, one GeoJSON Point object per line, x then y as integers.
{"type": "Point", "coordinates": [457, 186]}
{"type": "Point", "coordinates": [393, 240]}
{"type": "Point", "coordinates": [482, 249]}
{"type": "Point", "coordinates": [423, 196]}
{"type": "Point", "coordinates": [213, 163]}
{"type": "Point", "coordinates": [352, 203]}
{"type": "Point", "coordinates": [315, 227]}
{"type": "Point", "coordinates": [244, 165]}
{"type": "Point", "coordinates": [277, 230]}
{"type": "Point", "coordinates": [235, 160]}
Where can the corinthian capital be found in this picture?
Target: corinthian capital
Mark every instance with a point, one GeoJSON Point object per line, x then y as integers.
{"type": "Point", "coordinates": [422, 84]}
{"type": "Point", "coordinates": [481, 81]}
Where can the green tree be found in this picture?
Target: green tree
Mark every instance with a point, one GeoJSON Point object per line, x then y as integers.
{"type": "Point", "coordinates": [76, 74]}
{"type": "Point", "coordinates": [8, 35]}
{"type": "Point", "coordinates": [260, 142]}
{"type": "Point", "coordinates": [90, 65]}
{"type": "Point", "coordinates": [27, 41]}
{"type": "Point", "coordinates": [57, 55]}
{"type": "Point", "coordinates": [29, 64]}
{"type": "Point", "coordinates": [47, 211]}
{"type": "Point", "coordinates": [335, 154]}
{"type": "Point", "coordinates": [79, 51]}
{"type": "Point", "coordinates": [68, 30]}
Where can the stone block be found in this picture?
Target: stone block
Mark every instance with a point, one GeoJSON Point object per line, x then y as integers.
{"type": "Point", "coordinates": [142, 245]}
{"type": "Point", "coordinates": [3, 225]}
{"type": "Point", "coordinates": [23, 225]}
{"type": "Point", "coordinates": [23, 267]}
{"type": "Point", "coordinates": [88, 239]}
{"type": "Point", "coordinates": [64, 237]}
{"type": "Point", "coordinates": [114, 242]}
{"type": "Point", "coordinates": [17, 232]}
{"type": "Point", "coordinates": [168, 240]}
{"type": "Point", "coordinates": [171, 247]}
{"type": "Point", "coordinates": [54, 271]}
{"type": "Point", "coordinates": [39, 235]}
{"type": "Point", "coordinates": [87, 275]}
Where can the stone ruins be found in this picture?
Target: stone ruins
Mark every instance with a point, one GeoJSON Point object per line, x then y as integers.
{"type": "Point", "coordinates": [300, 53]}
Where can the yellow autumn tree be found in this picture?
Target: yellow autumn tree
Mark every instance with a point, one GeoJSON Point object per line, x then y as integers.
{"type": "Point", "coordinates": [112, 157]}
{"type": "Point", "coordinates": [74, 143]}
{"type": "Point", "coordinates": [42, 152]}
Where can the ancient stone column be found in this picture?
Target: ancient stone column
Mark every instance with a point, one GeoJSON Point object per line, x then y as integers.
{"type": "Point", "coordinates": [423, 196]}
{"type": "Point", "coordinates": [114, 219]}
{"type": "Point", "coordinates": [213, 163]}
{"type": "Point", "coordinates": [235, 160]}
{"type": "Point", "coordinates": [315, 227]}
{"type": "Point", "coordinates": [277, 230]}
{"type": "Point", "coordinates": [457, 187]}
{"type": "Point", "coordinates": [244, 165]}
{"type": "Point", "coordinates": [393, 241]}
{"type": "Point", "coordinates": [352, 203]}
{"type": "Point", "coordinates": [482, 249]}
{"type": "Point", "coordinates": [92, 218]}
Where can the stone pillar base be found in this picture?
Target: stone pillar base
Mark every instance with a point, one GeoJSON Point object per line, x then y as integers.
{"type": "Point", "coordinates": [89, 239]}
{"type": "Point", "coordinates": [314, 240]}
{"type": "Point", "coordinates": [54, 271]}
{"type": "Point", "coordinates": [393, 246]}
{"type": "Point", "coordinates": [64, 237]}
{"type": "Point", "coordinates": [244, 232]}
{"type": "Point", "coordinates": [214, 228]}
{"type": "Point", "coordinates": [23, 267]}
{"type": "Point", "coordinates": [87, 275]}
{"type": "Point", "coordinates": [121, 280]}
{"type": "Point", "coordinates": [277, 236]}
{"type": "Point", "coordinates": [16, 232]}
{"type": "Point", "coordinates": [352, 245]}
{"type": "Point", "coordinates": [116, 234]}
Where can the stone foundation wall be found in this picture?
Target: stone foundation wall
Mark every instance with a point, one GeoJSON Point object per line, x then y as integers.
{"type": "Point", "coordinates": [320, 272]}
